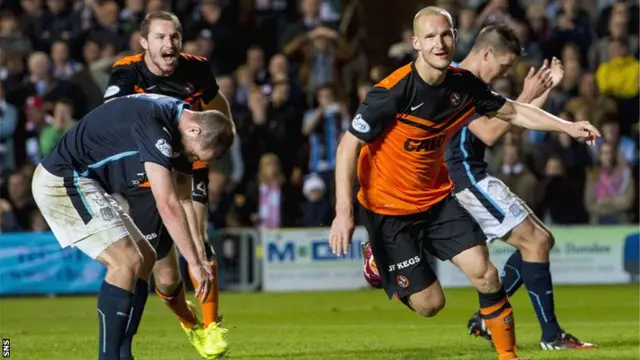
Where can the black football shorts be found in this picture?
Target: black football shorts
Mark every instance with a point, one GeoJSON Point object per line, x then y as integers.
{"type": "Point", "coordinates": [144, 212]}
{"type": "Point", "coordinates": [400, 243]}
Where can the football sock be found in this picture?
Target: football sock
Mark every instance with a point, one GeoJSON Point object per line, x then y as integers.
{"type": "Point", "coordinates": [498, 316]}
{"type": "Point", "coordinates": [114, 306]}
{"type": "Point", "coordinates": [140, 295]}
{"type": "Point", "coordinates": [177, 302]}
{"type": "Point", "coordinates": [209, 304]}
{"type": "Point", "coordinates": [537, 280]}
{"type": "Point", "coordinates": [511, 273]}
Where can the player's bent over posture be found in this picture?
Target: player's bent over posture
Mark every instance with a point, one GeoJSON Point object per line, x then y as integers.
{"type": "Point", "coordinates": [403, 125]}
{"type": "Point", "coordinates": [499, 212]}
{"type": "Point", "coordinates": [106, 153]}
{"type": "Point", "coordinates": [162, 69]}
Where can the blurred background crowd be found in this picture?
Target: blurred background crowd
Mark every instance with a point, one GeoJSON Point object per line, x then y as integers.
{"type": "Point", "coordinates": [294, 72]}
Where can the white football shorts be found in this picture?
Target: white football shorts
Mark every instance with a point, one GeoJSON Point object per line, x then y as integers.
{"type": "Point", "coordinates": [80, 213]}
{"type": "Point", "coordinates": [494, 207]}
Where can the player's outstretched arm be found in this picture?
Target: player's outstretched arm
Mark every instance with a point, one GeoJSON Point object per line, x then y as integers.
{"type": "Point", "coordinates": [343, 224]}
{"type": "Point", "coordinates": [175, 220]}
{"type": "Point", "coordinates": [534, 118]}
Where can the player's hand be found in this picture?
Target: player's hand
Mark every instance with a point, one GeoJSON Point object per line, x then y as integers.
{"type": "Point", "coordinates": [341, 233]}
{"type": "Point", "coordinates": [583, 130]}
{"type": "Point", "coordinates": [537, 82]}
{"type": "Point", "coordinates": [203, 275]}
{"type": "Point", "coordinates": [556, 71]}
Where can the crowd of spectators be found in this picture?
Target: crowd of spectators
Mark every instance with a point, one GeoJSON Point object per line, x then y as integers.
{"type": "Point", "coordinates": [294, 76]}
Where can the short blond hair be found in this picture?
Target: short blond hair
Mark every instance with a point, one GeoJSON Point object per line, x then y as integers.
{"type": "Point", "coordinates": [431, 11]}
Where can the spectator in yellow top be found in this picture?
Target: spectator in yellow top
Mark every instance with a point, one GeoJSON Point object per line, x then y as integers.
{"type": "Point", "coordinates": [619, 76]}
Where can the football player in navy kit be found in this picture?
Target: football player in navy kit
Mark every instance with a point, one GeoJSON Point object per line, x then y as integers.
{"type": "Point", "coordinates": [150, 134]}
{"type": "Point", "coordinates": [163, 69]}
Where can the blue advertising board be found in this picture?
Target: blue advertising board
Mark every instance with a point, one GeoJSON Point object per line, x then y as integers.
{"type": "Point", "coordinates": [34, 263]}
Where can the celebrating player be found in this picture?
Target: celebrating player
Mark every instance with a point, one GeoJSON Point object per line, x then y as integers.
{"type": "Point", "coordinates": [499, 212]}
{"type": "Point", "coordinates": [106, 153]}
{"type": "Point", "coordinates": [407, 207]}
{"type": "Point", "coordinates": [162, 69]}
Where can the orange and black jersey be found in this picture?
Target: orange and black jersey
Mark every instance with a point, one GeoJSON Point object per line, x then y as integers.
{"type": "Point", "coordinates": [192, 82]}
{"type": "Point", "coordinates": [405, 124]}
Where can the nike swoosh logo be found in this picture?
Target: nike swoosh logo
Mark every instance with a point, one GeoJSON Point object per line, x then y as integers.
{"type": "Point", "coordinates": [417, 106]}
{"type": "Point", "coordinates": [151, 87]}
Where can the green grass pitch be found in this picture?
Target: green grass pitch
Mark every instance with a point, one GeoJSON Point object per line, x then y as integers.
{"type": "Point", "coordinates": [330, 325]}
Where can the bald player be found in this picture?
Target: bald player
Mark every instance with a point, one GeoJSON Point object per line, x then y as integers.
{"type": "Point", "coordinates": [399, 135]}
{"type": "Point", "coordinates": [500, 213]}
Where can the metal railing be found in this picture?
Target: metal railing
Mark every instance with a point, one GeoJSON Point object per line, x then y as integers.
{"type": "Point", "coordinates": [239, 254]}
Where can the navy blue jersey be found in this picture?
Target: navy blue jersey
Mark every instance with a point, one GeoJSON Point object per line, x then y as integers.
{"type": "Point", "coordinates": [112, 142]}
{"type": "Point", "coordinates": [465, 156]}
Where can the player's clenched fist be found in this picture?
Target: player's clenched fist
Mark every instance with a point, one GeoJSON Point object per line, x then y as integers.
{"type": "Point", "coordinates": [341, 233]}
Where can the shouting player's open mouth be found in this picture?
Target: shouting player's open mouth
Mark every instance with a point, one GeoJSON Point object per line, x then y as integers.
{"type": "Point", "coordinates": [169, 57]}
